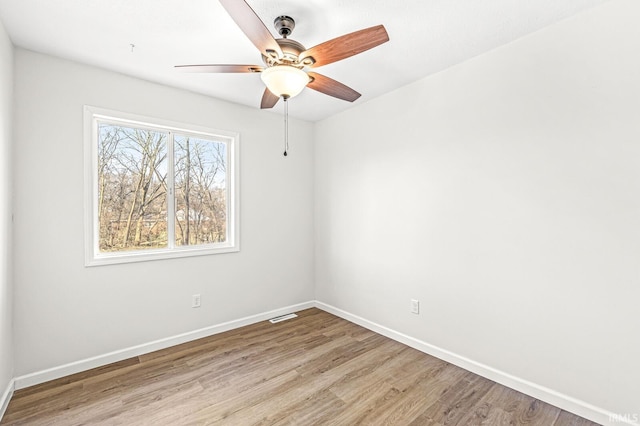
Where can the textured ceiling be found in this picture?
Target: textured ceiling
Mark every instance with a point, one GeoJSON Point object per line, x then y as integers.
{"type": "Point", "coordinates": [426, 36]}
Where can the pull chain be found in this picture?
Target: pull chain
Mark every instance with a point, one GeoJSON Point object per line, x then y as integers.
{"type": "Point", "coordinates": [286, 125]}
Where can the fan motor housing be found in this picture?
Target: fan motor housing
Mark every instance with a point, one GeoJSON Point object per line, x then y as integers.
{"type": "Point", "coordinates": [290, 48]}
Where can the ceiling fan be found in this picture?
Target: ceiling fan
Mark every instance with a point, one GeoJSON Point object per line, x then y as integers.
{"type": "Point", "coordinates": [286, 60]}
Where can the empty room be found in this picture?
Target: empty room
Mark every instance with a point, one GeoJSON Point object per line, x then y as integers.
{"type": "Point", "coordinates": [325, 212]}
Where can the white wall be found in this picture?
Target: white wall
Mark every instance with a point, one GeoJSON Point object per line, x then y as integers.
{"type": "Point", "coordinates": [65, 312]}
{"type": "Point", "coordinates": [6, 279]}
{"type": "Point", "coordinates": [504, 194]}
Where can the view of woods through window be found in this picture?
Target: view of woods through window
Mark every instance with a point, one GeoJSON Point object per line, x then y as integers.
{"type": "Point", "coordinates": [143, 174]}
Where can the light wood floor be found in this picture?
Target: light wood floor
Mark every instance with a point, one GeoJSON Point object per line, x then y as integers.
{"type": "Point", "coordinates": [315, 369]}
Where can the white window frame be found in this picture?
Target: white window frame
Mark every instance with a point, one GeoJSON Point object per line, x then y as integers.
{"type": "Point", "coordinates": [93, 256]}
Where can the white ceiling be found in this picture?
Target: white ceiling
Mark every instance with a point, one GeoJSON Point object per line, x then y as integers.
{"type": "Point", "coordinates": [426, 36]}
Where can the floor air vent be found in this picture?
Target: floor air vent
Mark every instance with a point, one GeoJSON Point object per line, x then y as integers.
{"type": "Point", "coordinates": [282, 318]}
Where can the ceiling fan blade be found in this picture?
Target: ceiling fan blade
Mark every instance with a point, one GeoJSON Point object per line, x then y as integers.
{"type": "Point", "coordinates": [345, 46]}
{"type": "Point", "coordinates": [252, 26]}
{"type": "Point", "coordinates": [220, 68]}
{"type": "Point", "coordinates": [269, 100]}
{"type": "Point", "coordinates": [330, 87]}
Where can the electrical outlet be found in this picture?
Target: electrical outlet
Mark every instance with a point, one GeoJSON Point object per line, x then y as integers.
{"type": "Point", "coordinates": [195, 301]}
{"type": "Point", "coordinates": [415, 306]}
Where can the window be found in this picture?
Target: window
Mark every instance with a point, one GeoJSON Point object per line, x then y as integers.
{"type": "Point", "coordinates": [156, 189]}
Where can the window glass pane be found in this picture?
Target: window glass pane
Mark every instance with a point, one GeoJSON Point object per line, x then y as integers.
{"type": "Point", "coordinates": [201, 190]}
{"type": "Point", "coordinates": [157, 189]}
{"type": "Point", "coordinates": [132, 201]}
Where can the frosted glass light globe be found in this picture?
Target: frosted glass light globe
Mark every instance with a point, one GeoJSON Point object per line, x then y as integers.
{"type": "Point", "coordinates": [284, 80]}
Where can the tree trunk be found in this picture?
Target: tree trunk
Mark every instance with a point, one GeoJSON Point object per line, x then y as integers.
{"type": "Point", "coordinates": [187, 187]}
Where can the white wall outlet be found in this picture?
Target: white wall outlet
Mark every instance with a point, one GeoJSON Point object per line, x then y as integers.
{"type": "Point", "coordinates": [195, 301]}
{"type": "Point", "coordinates": [415, 306]}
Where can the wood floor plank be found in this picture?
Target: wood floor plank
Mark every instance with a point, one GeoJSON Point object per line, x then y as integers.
{"type": "Point", "coordinates": [502, 405]}
{"type": "Point", "coordinates": [367, 371]}
{"type": "Point", "coordinates": [313, 369]}
{"type": "Point", "coordinates": [568, 419]}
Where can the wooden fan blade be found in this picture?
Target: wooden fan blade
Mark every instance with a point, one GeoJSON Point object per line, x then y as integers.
{"type": "Point", "coordinates": [345, 46]}
{"type": "Point", "coordinates": [220, 68]}
{"type": "Point", "coordinates": [252, 26]}
{"type": "Point", "coordinates": [269, 100]}
{"type": "Point", "coordinates": [330, 87]}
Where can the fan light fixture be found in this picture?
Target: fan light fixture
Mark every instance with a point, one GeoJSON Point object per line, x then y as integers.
{"type": "Point", "coordinates": [284, 80]}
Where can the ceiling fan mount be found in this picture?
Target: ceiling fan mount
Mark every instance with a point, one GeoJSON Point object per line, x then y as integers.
{"type": "Point", "coordinates": [284, 25]}
{"type": "Point", "coordinates": [287, 60]}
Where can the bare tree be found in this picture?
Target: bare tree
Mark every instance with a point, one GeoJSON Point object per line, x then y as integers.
{"type": "Point", "coordinates": [134, 170]}
{"type": "Point", "coordinates": [132, 189]}
{"type": "Point", "coordinates": [200, 171]}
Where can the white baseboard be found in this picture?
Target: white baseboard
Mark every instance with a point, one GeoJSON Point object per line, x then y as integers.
{"type": "Point", "coordinates": [542, 393]}
{"type": "Point", "coordinates": [101, 360]}
{"type": "Point", "coordinates": [534, 390]}
{"type": "Point", "coordinates": [6, 397]}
